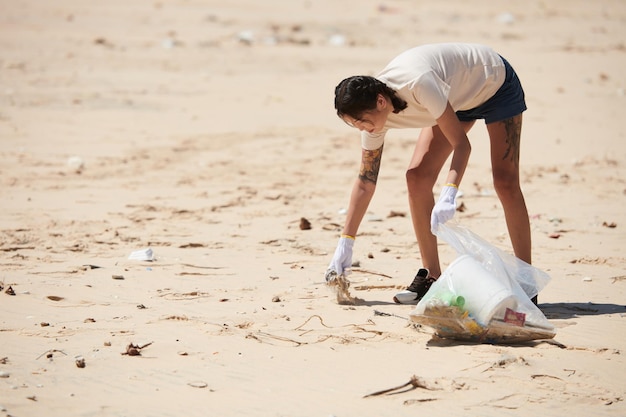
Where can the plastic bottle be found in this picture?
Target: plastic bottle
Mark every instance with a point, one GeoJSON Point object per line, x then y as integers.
{"type": "Point", "coordinates": [453, 300]}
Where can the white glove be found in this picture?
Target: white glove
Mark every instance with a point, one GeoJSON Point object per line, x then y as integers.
{"type": "Point", "coordinates": [342, 259]}
{"type": "Point", "coordinates": [444, 209]}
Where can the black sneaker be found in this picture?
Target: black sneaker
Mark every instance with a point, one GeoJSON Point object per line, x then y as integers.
{"type": "Point", "coordinates": [418, 288]}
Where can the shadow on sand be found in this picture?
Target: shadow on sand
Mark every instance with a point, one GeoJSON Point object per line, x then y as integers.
{"type": "Point", "coordinates": [571, 310]}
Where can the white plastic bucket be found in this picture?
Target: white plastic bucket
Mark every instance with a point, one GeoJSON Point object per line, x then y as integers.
{"type": "Point", "coordinates": [485, 295]}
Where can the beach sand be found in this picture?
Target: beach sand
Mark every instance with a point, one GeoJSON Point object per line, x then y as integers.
{"type": "Point", "coordinates": [206, 132]}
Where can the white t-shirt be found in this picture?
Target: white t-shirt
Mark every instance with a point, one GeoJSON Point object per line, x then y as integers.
{"type": "Point", "coordinates": [430, 76]}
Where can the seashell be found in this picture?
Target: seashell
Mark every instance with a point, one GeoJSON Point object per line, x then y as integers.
{"type": "Point", "coordinates": [198, 384]}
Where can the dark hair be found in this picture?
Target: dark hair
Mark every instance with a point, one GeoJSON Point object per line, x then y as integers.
{"type": "Point", "coordinates": [358, 94]}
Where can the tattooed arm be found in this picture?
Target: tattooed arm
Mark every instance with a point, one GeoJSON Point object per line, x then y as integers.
{"type": "Point", "coordinates": [363, 189]}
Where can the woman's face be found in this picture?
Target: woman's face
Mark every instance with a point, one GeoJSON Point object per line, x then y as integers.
{"type": "Point", "coordinates": [371, 121]}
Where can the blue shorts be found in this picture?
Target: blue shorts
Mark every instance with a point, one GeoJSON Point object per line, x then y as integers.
{"type": "Point", "coordinates": [507, 102]}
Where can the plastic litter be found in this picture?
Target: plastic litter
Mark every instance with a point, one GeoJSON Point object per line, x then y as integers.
{"type": "Point", "coordinates": [484, 295]}
{"type": "Point", "coordinates": [142, 255]}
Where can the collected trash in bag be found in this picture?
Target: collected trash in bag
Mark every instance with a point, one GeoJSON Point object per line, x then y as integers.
{"type": "Point", "coordinates": [484, 295]}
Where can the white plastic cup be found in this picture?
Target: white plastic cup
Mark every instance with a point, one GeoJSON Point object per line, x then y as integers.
{"type": "Point", "coordinates": [486, 296]}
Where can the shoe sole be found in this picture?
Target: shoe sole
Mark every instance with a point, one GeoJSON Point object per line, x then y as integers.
{"type": "Point", "coordinates": [395, 299]}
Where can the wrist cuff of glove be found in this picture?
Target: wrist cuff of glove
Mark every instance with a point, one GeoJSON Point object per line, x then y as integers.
{"type": "Point", "coordinates": [448, 193]}
{"type": "Point", "coordinates": [346, 242]}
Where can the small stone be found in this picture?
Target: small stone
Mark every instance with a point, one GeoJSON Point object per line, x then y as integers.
{"type": "Point", "coordinates": [4, 374]}
{"type": "Point", "coordinates": [305, 224]}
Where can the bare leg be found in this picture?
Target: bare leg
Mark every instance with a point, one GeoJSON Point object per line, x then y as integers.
{"type": "Point", "coordinates": [505, 149]}
{"type": "Point", "coordinates": [430, 154]}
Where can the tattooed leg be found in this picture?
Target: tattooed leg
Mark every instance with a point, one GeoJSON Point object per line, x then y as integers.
{"type": "Point", "coordinates": [505, 154]}
{"type": "Point", "coordinates": [513, 128]}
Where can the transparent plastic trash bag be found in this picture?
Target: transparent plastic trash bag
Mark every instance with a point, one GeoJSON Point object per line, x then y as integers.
{"type": "Point", "coordinates": [484, 295]}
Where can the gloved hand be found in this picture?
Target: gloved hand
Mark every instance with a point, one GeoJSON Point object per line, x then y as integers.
{"type": "Point", "coordinates": [444, 209]}
{"type": "Point", "coordinates": [342, 259]}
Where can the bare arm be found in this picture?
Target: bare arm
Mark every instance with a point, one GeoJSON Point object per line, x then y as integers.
{"type": "Point", "coordinates": [452, 129]}
{"type": "Point", "coordinates": [363, 189]}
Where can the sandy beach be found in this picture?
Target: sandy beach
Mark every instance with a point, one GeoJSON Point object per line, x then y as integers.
{"type": "Point", "coordinates": [205, 132]}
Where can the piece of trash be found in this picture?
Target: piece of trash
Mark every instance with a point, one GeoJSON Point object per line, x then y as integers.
{"type": "Point", "coordinates": [198, 384]}
{"type": "Point", "coordinates": [142, 255]}
{"type": "Point", "coordinates": [246, 37]}
{"type": "Point", "coordinates": [76, 163]}
{"type": "Point", "coordinates": [337, 40]}
{"type": "Point", "coordinates": [506, 18]}
{"type": "Point", "coordinates": [515, 318]}
{"type": "Point", "coordinates": [134, 350]}
{"type": "Point", "coordinates": [80, 362]}
{"type": "Point", "coordinates": [587, 279]}
{"type": "Point", "coordinates": [168, 43]}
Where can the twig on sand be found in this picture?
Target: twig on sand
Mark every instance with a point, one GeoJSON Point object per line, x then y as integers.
{"type": "Point", "coordinates": [414, 383]}
{"type": "Point", "coordinates": [365, 271]}
{"type": "Point", "coordinates": [381, 313]}
{"type": "Point", "coordinates": [50, 353]}
{"type": "Point", "coordinates": [309, 319]}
